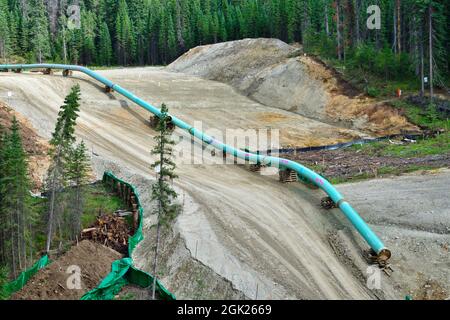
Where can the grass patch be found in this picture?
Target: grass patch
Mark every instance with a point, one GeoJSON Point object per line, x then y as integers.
{"type": "Point", "coordinates": [98, 201]}
{"type": "Point", "coordinates": [427, 118]}
{"type": "Point", "coordinates": [355, 178]}
{"type": "Point", "coordinates": [422, 148]}
{"type": "Point", "coordinates": [424, 117]}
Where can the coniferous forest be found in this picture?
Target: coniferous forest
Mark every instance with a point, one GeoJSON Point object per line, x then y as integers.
{"type": "Point", "coordinates": [154, 32]}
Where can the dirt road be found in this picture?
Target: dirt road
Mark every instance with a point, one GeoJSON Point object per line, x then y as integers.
{"type": "Point", "coordinates": [412, 213]}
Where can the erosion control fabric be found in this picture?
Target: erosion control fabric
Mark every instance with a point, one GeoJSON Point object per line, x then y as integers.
{"type": "Point", "coordinates": [123, 272]}
{"type": "Point", "coordinates": [23, 278]}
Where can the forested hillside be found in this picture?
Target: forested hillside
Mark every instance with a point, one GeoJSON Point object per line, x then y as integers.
{"type": "Point", "coordinates": [137, 32]}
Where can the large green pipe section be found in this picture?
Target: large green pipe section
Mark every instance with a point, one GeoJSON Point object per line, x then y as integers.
{"type": "Point", "coordinates": [372, 239]}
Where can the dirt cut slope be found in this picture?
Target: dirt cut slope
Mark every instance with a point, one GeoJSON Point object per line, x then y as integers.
{"type": "Point", "coordinates": [93, 260]}
{"type": "Point", "coordinates": [281, 76]}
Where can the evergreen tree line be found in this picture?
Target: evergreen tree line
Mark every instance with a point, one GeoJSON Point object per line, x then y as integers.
{"type": "Point", "coordinates": [16, 250]}
{"type": "Point", "coordinates": [20, 225]}
{"type": "Point", "coordinates": [151, 32]}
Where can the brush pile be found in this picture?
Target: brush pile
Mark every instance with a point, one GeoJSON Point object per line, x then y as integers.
{"type": "Point", "coordinates": [110, 231]}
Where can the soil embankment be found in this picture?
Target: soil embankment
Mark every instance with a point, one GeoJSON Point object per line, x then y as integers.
{"type": "Point", "coordinates": [51, 283]}
{"type": "Point", "coordinates": [278, 75]}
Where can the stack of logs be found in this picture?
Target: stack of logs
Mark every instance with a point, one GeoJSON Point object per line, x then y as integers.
{"type": "Point", "coordinates": [113, 230]}
{"type": "Point", "coordinates": [109, 230]}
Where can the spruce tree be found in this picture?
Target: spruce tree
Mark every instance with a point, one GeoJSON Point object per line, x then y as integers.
{"type": "Point", "coordinates": [61, 143]}
{"type": "Point", "coordinates": [138, 14]}
{"type": "Point", "coordinates": [4, 279]}
{"type": "Point", "coordinates": [88, 27]}
{"type": "Point", "coordinates": [162, 192]}
{"type": "Point", "coordinates": [105, 46]}
{"type": "Point", "coordinates": [39, 29]}
{"type": "Point", "coordinates": [77, 169]}
{"type": "Point", "coordinates": [223, 35]}
{"type": "Point", "coordinates": [124, 34]}
{"type": "Point", "coordinates": [13, 22]}
{"type": "Point", "coordinates": [8, 249]}
{"type": "Point", "coordinates": [4, 219]}
{"type": "Point", "coordinates": [15, 213]}
{"type": "Point", "coordinates": [4, 30]}
{"type": "Point", "coordinates": [171, 40]}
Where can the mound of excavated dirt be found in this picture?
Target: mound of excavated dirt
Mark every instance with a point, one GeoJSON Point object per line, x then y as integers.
{"type": "Point", "coordinates": [279, 75]}
{"type": "Point", "coordinates": [262, 69]}
{"type": "Point", "coordinates": [235, 62]}
{"type": "Point", "coordinates": [94, 261]}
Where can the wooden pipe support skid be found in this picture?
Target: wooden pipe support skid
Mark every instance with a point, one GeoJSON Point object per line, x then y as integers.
{"type": "Point", "coordinates": [252, 167]}
{"type": "Point", "coordinates": [154, 121]}
{"type": "Point", "coordinates": [67, 73]}
{"type": "Point", "coordinates": [382, 260]}
{"type": "Point", "coordinates": [328, 204]}
{"type": "Point", "coordinates": [288, 176]}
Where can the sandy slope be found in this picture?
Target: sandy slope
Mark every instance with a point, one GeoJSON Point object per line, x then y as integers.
{"type": "Point", "coordinates": [268, 232]}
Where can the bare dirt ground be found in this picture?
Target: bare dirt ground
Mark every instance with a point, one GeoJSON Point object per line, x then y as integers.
{"type": "Point", "coordinates": [51, 282]}
{"type": "Point", "coordinates": [412, 213]}
{"type": "Point", "coordinates": [131, 292]}
{"type": "Point", "coordinates": [270, 241]}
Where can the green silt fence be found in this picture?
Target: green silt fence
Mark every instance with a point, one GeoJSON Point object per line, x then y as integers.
{"type": "Point", "coordinates": [23, 278]}
{"type": "Point", "coordinates": [123, 272]}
